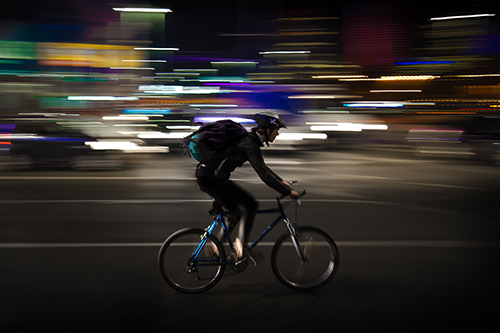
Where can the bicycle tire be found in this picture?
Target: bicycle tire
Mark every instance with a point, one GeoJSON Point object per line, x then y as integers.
{"type": "Point", "coordinates": [322, 259]}
{"type": "Point", "coordinates": [176, 253]}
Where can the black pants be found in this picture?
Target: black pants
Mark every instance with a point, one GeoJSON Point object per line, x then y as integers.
{"type": "Point", "coordinates": [235, 199]}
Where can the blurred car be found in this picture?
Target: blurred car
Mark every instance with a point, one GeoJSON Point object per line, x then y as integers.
{"type": "Point", "coordinates": [478, 138]}
{"type": "Point", "coordinates": [41, 143]}
{"type": "Point", "coordinates": [482, 134]}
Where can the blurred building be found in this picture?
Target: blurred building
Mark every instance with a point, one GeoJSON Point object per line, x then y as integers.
{"type": "Point", "coordinates": [376, 35]}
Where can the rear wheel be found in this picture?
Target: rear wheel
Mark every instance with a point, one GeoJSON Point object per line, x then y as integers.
{"type": "Point", "coordinates": [318, 266]}
{"type": "Point", "coordinates": [184, 273]}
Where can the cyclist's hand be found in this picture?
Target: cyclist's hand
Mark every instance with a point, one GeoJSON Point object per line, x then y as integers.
{"type": "Point", "coordinates": [284, 182]}
{"type": "Point", "coordinates": [294, 195]}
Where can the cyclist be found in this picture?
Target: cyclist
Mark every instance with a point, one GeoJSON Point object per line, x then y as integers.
{"type": "Point", "coordinates": [213, 177]}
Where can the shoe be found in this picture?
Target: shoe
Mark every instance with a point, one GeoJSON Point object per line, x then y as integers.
{"type": "Point", "coordinates": [256, 256]}
{"type": "Point", "coordinates": [242, 255]}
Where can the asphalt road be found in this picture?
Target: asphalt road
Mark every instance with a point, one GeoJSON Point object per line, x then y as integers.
{"type": "Point", "coordinates": [419, 241]}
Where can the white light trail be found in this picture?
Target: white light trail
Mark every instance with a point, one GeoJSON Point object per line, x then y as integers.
{"type": "Point", "coordinates": [112, 145]}
{"type": "Point", "coordinates": [101, 98]}
{"type": "Point", "coordinates": [136, 68]}
{"type": "Point", "coordinates": [156, 48]}
{"type": "Point", "coordinates": [284, 52]}
{"type": "Point", "coordinates": [460, 17]}
{"type": "Point", "coordinates": [301, 136]}
{"type": "Point", "coordinates": [143, 10]}
{"type": "Point", "coordinates": [125, 118]}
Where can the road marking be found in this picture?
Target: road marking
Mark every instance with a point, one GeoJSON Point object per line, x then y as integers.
{"type": "Point", "coordinates": [446, 186]}
{"type": "Point", "coordinates": [94, 178]}
{"type": "Point", "coordinates": [191, 201]}
{"type": "Point", "coordinates": [167, 178]}
{"type": "Point", "coordinates": [386, 243]}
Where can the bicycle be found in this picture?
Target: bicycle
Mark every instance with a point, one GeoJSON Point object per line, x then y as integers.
{"type": "Point", "coordinates": [305, 258]}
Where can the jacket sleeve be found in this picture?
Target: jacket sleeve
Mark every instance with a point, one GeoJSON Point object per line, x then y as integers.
{"type": "Point", "coordinates": [270, 178]}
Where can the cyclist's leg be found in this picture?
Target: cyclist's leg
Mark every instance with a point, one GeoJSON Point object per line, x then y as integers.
{"type": "Point", "coordinates": [232, 196]}
{"type": "Point", "coordinates": [221, 195]}
{"type": "Point", "coordinates": [250, 205]}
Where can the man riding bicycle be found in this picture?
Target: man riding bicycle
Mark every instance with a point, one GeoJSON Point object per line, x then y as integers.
{"type": "Point", "coordinates": [213, 177]}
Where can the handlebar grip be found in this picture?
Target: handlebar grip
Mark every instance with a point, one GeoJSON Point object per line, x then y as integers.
{"type": "Point", "coordinates": [301, 194]}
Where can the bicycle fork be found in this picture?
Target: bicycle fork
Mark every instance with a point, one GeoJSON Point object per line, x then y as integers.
{"type": "Point", "coordinates": [295, 242]}
{"type": "Point", "coordinates": [193, 261]}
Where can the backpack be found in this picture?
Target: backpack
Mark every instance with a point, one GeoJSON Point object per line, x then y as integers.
{"type": "Point", "coordinates": [204, 144]}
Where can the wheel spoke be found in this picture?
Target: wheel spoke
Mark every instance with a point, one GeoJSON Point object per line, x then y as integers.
{"type": "Point", "coordinates": [183, 273]}
{"type": "Point", "coordinates": [317, 266]}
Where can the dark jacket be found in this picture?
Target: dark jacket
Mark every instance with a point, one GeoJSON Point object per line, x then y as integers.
{"type": "Point", "coordinates": [235, 155]}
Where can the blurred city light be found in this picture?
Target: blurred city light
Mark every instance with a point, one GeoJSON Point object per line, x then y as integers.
{"type": "Point", "coordinates": [460, 17]}
{"type": "Point", "coordinates": [143, 10]}
{"type": "Point", "coordinates": [359, 72]}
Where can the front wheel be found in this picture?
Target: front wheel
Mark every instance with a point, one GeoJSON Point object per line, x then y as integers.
{"type": "Point", "coordinates": [319, 264]}
{"type": "Point", "coordinates": [179, 267]}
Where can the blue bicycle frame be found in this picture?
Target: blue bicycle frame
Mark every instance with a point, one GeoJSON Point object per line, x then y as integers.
{"type": "Point", "coordinates": [220, 219]}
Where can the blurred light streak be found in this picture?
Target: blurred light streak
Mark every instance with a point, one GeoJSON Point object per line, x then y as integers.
{"type": "Point", "coordinates": [161, 135]}
{"type": "Point", "coordinates": [213, 119]}
{"type": "Point", "coordinates": [338, 76]}
{"type": "Point", "coordinates": [174, 90]}
{"type": "Point", "coordinates": [147, 111]}
{"type": "Point", "coordinates": [214, 105]}
{"type": "Point", "coordinates": [48, 114]}
{"type": "Point", "coordinates": [408, 77]}
{"type": "Point", "coordinates": [341, 127]}
{"type": "Point", "coordinates": [460, 17]}
{"type": "Point", "coordinates": [101, 98]}
{"type": "Point", "coordinates": [447, 152]}
{"type": "Point", "coordinates": [444, 112]}
{"type": "Point", "coordinates": [346, 127]}
{"type": "Point", "coordinates": [284, 52]}
{"type": "Point", "coordinates": [196, 70]}
{"type": "Point", "coordinates": [226, 79]}
{"type": "Point", "coordinates": [301, 136]}
{"type": "Point", "coordinates": [395, 78]}
{"type": "Point", "coordinates": [182, 127]}
{"type": "Point", "coordinates": [156, 48]}
{"type": "Point", "coordinates": [125, 118]}
{"type": "Point", "coordinates": [474, 75]}
{"type": "Point", "coordinates": [112, 145]}
{"type": "Point", "coordinates": [324, 111]}
{"type": "Point", "coordinates": [134, 125]}
{"type": "Point", "coordinates": [322, 96]}
{"type": "Point", "coordinates": [80, 124]}
{"type": "Point", "coordinates": [16, 136]}
{"type": "Point", "coordinates": [179, 73]}
{"type": "Point", "coordinates": [397, 91]}
{"type": "Point", "coordinates": [142, 10]}
{"type": "Point", "coordinates": [81, 54]}
{"type": "Point", "coordinates": [419, 103]}
{"type": "Point", "coordinates": [192, 91]}
{"type": "Point", "coordinates": [234, 62]}
{"type": "Point", "coordinates": [436, 62]}
{"type": "Point", "coordinates": [145, 60]}
{"type": "Point", "coordinates": [135, 68]}
{"type": "Point", "coordinates": [227, 83]}
{"type": "Point", "coordinates": [374, 105]}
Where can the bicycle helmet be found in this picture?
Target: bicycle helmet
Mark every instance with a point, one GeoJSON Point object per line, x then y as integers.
{"type": "Point", "coordinates": [269, 120]}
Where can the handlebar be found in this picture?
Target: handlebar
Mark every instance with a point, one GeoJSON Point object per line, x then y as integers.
{"type": "Point", "coordinates": [301, 194]}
